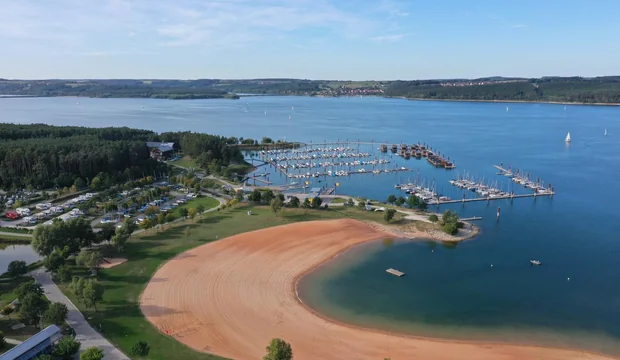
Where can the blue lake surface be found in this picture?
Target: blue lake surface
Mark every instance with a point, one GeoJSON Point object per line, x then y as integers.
{"type": "Point", "coordinates": [452, 292]}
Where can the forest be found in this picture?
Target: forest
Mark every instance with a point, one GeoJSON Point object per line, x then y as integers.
{"type": "Point", "coordinates": [45, 156]}
{"type": "Point", "coordinates": [552, 89]}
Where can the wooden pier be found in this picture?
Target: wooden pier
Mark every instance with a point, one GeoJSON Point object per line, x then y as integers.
{"type": "Point", "coordinates": [395, 272]}
{"type": "Point", "coordinates": [534, 195]}
{"type": "Point", "coordinates": [257, 179]}
{"type": "Point", "coordinates": [471, 218]}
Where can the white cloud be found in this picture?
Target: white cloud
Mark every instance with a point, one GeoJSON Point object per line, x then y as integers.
{"type": "Point", "coordinates": [211, 23]}
{"type": "Point", "coordinates": [388, 38]}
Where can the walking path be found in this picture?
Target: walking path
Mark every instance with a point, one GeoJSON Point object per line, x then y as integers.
{"type": "Point", "coordinates": [18, 234]}
{"type": "Point", "coordinates": [84, 332]}
{"type": "Point", "coordinates": [12, 341]}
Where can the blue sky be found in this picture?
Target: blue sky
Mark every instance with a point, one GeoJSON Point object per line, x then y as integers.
{"type": "Point", "coordinates": [313, 39]}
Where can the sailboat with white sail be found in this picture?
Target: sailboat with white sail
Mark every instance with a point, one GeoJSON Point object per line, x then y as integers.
{"type": "Point", "coordinates": [605, 132]}
{"type": "Point", "coordinates": [567, 137]}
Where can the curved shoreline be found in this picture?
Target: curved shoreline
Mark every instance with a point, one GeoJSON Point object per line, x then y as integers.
{"type": "Point", "coordinates": [194, 320]}
{"type": "Point", "coordinates": [407, 335]}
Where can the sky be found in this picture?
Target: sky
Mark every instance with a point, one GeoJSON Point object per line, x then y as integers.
{"type": "Point", "coordinates": [309, 39]}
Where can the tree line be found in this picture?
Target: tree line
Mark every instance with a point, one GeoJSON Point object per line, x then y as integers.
{"type": "Point", "coordinates": [45, 156]}
{"type": "Point", "coordinates": [574, 89]}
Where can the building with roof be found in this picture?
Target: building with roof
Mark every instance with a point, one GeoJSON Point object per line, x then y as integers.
{"type": "Point", "coordinates": [39, 343]}
{"type": "Point", "coordinates": [160, 150]}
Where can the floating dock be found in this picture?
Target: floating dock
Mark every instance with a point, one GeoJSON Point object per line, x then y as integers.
{"type": "Point", "coordinates": [395, 272]}
{"type": "Point", "coordinates": [471, 218]}
{"type": "Point", "coordinates": [534, 195]}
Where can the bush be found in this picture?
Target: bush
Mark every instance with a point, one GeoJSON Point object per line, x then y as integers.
{"type": "Point", "coordinates": [450, 228]}
{"type": "Point", "coordinates": [141, 348]}
{"type": "Point", "coordinates": [92, 353]}
{"type": "Point", "coordinates": [433, 218]}
{"type": "Point", "coordinates": [389, 215]}
{"type": "Point", "coordinates": [66, 348]}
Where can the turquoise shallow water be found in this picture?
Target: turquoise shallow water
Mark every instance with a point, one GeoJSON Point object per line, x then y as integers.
{"type": "Point", "coordinates": [449, 292]}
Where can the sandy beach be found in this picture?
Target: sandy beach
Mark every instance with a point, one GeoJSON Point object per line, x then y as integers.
{"type": "Point", "coordinates": [232, 296]}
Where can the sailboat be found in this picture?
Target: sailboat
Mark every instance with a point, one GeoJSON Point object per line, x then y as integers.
{"type": "Point", "coordinates": [567, 137]}
{"type": "Point", "coordinates": [605, 132]}
{"type": "Point", "coordinates": [506, 108]}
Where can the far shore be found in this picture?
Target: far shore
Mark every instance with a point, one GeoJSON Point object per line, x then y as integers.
{"type": "Point", "coordinates": [243, 290]}
{"type": "Point", "coordinates": [322, 96]}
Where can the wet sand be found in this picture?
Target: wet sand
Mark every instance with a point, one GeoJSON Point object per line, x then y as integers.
{"type": "Point", "coordinates": [232, 296]}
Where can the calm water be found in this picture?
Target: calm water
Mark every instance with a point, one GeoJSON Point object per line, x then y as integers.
{"type": "Point", "coordinates": [450, 292]}
{"type": "Point", "coordinates": [9, 253]}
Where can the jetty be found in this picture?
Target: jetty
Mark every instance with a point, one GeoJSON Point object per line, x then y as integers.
{"type": "Point", "coordinates": [524, 179]}
{"type": "Point", "coordinates": [471, 218]}
{"type": "Point", "coordinates": [489, 198]}
{"type": "Point", "coordinates": [395, 272]}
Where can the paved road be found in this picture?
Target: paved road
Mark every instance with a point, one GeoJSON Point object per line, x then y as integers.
{"type": "Point", "coordinates": [84, 332]}
{"type": "Point", "coordinates": [12, 341]}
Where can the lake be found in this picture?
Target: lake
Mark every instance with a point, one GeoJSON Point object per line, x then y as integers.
{"type": "Point", "coordinates": [9, 253]}
{"type": "Point", "coordinates": [448, 291]}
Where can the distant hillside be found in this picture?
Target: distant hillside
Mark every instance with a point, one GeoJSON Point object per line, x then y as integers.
{"type": "Point", "coordinates": [494, 88]}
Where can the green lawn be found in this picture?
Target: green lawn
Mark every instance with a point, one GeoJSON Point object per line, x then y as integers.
{"type": "Point", "coordinates": [186, 162]}
{"type": "Point", "coordinates": [339, 201]}
{"type": "Point", "coordinates": [119, 315]}
{"type": "Point", "coordinates": [7, 295]}
{"type": "Point", "coordinates": [206, 201]}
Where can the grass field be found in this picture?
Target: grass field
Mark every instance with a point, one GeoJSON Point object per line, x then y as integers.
{"type": "Point", "coordinates": [339, 200]}
{"type": "Point", "coordinates": [186, 162]}
{"type": "Point", "coordinates": [119, 315]}
{"type": "Point", "coordinates": [206, 201]}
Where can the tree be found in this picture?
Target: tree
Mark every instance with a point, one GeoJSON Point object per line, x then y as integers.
{"type": "Point", "coordinates": [183, 212]}
{"type": "Point", "coordinates": [161, 219]}
{"type": "Point", "coordinates": [77, 286]}
{"type": "Point", "coordinates": [92, 293]}
{"type": "Point", "coordinates": [71, 236]}
{"type": "Point", "coordinates": [239, 195]}
{"type": "Point", "coordinates": [306, 203]}
{"type": "Point", "coordinates": [413, 201]}
{"type": "Point", "coordinates": [200, 209]}
{"type": "Point", "coordinates": [294, 202]}
{"type": "Point", "coordinates": [17, 268]}
{"type": "Point", "coordinates": [316, 202]}
{"type": "Point", "coordinates": [146, 224]}
{"type": "Point", "coordinates": [433, 218]}
{"type": "Point", "coordinates": [151, 210]}
{"type": "Point", "coordinates": [267, 196]}
{"type": "Point", "coordinates": [63, 273]}
{"type": "Point", "coordinates": [31, 307]}
{"type": "Point", "coordinates": [255, 196]}
{"type": "Point", "coordinates": [107, 231]}
{"type": "Point", "coordinates": [276, 205]}
{"type": "Point", "coordinates": [400, 201]}
{"type": "Point", "coordinates": [170, 217]}
{"type": "Point", "coordinates": [66, 348]}
{"type": "Point", "coordinates": [79, 183]}
{"type": "Point", "coordinates": [56, 313]}
{"type": "Point", "coordinates": [141, 348]}
{"type": "Point", "coordinates": [7, 311]}
{"type": "Point", "coordinates": [95, 183]}
{"type": "Point", "coordinates": [266, 140]}
{"type": "Point", "coordinates": [2, 341]}
{"type": "Point", "coordinates": [389, 215]}
{"type": "Point", "coordinates": [29, 287]}
{"type": "Point", "coordinates": [422, 205]}
{"type": "Point", "coordinates": [54, 260]}
{"type": "Point", "coordinates": [350, 202]}
{"type": "Point", "coordinates": [449, 217]}
{"type": "Point", "coordinates": [278, 349]}
{"type": "Point", "coordinates": [192, 213]}
{"type": "Point", "coordinates": [92, 353]}
{"type": "Point", "coordinates": [391, 199]}
{"type": "Point", "coordinates": [92, 259]}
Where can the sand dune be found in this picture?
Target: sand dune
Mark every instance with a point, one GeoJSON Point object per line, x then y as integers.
{"type": "Point", "coordinates": [232, 296]}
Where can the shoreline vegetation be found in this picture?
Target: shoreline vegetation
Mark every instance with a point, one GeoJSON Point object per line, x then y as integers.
{"type": "Point", "coordinates": [603, 90]}
{"type": "Point", "coordinates": [220, 293]}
